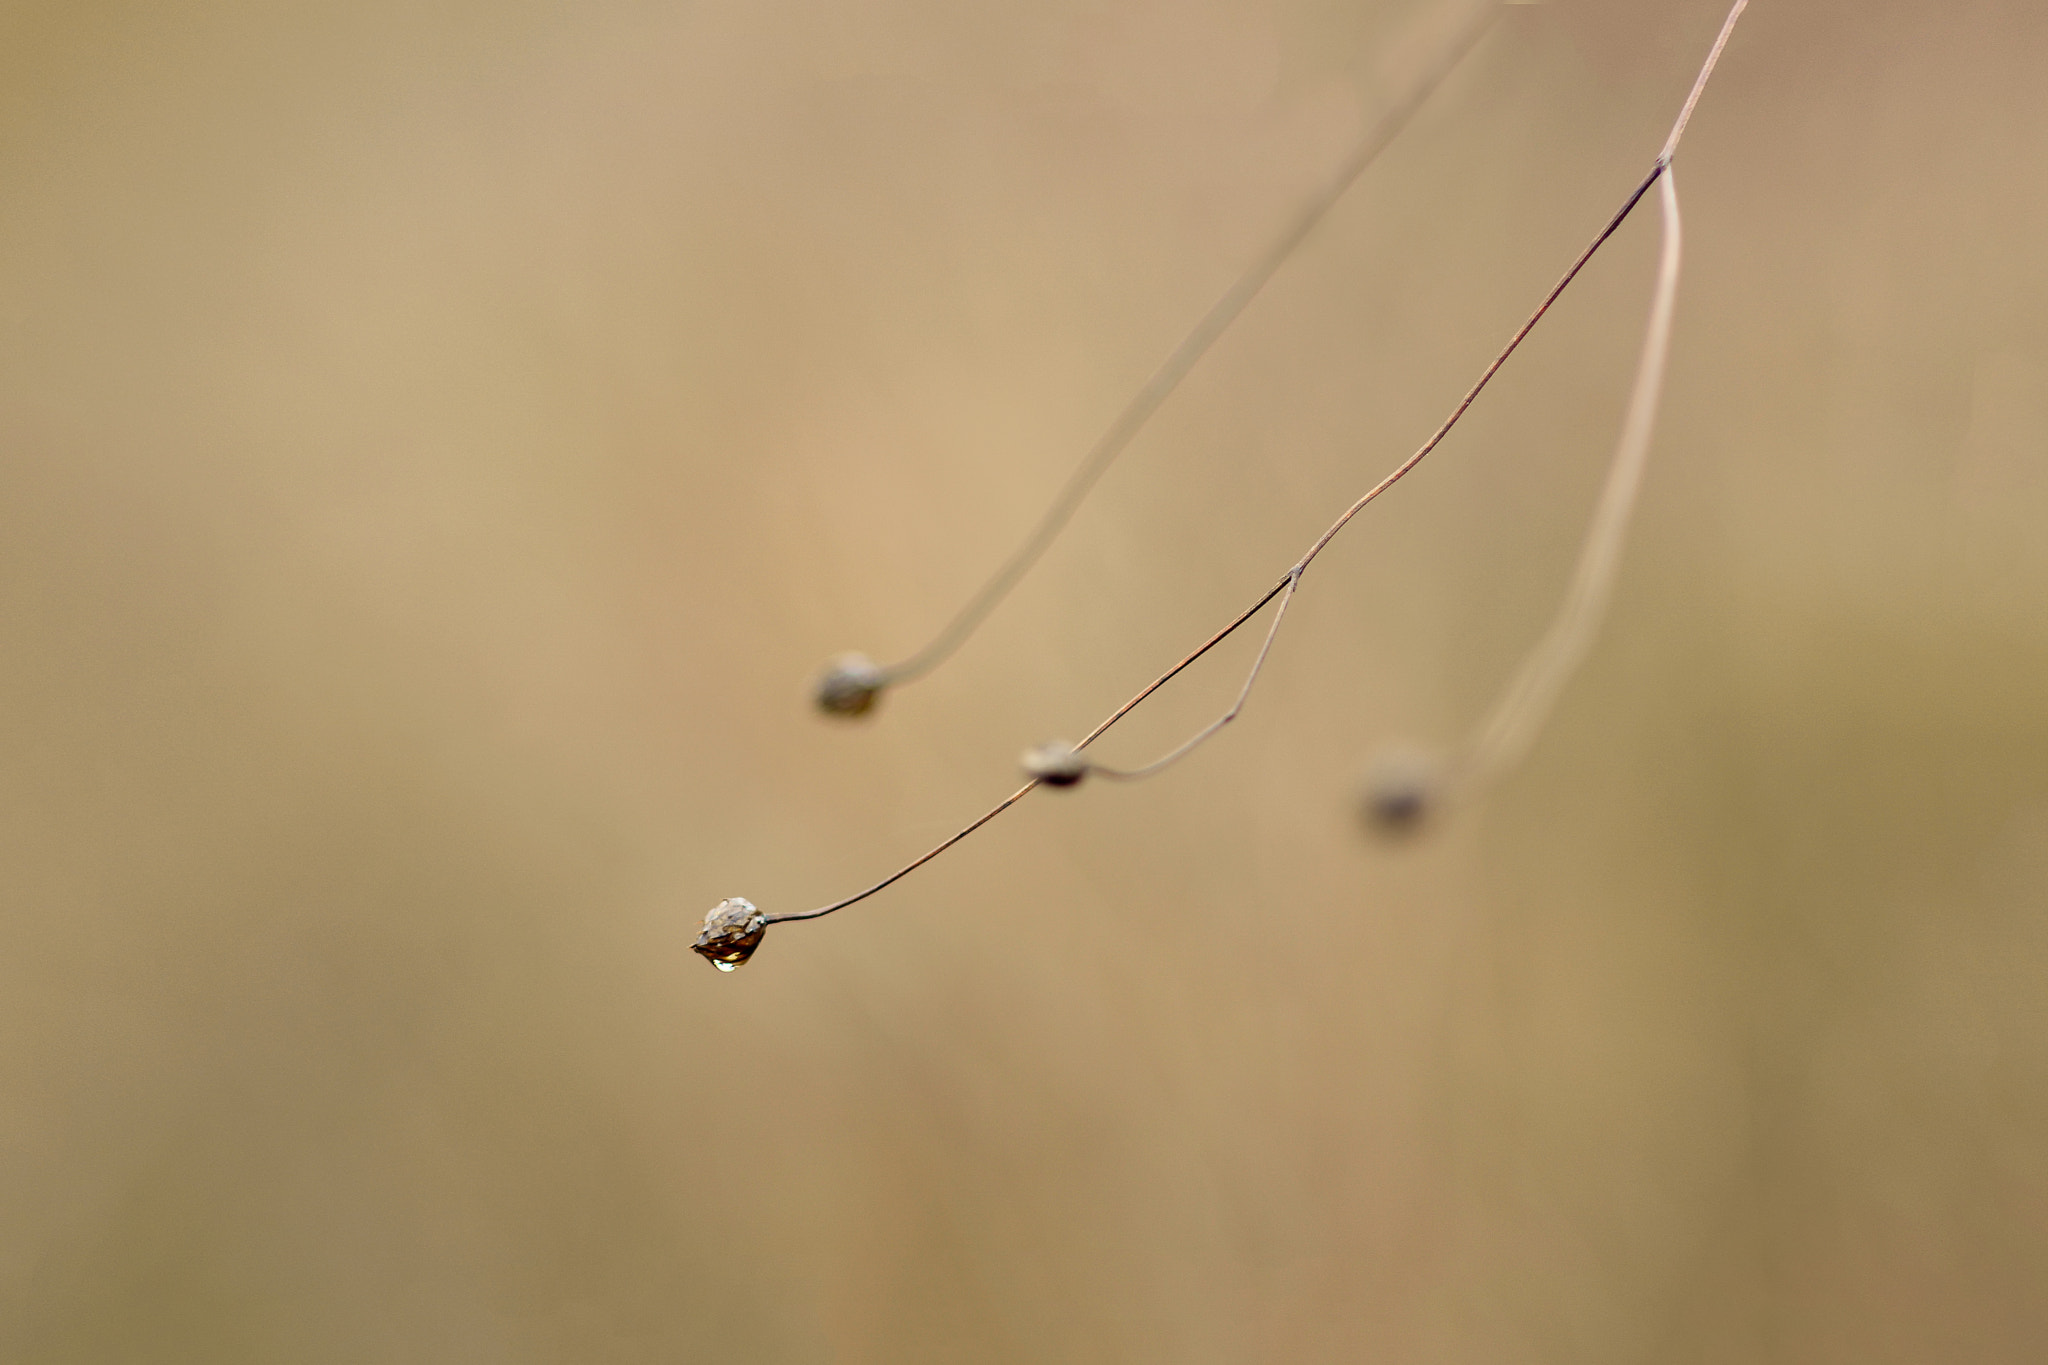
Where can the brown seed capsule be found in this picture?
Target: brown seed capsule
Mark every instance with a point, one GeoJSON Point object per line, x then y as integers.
{"type": "Point", "coordinates": [732, 931]}
{"type": "Point", "coordinates": [849, 686]}
{"type": "Point", "coordinates": [1056, 763]}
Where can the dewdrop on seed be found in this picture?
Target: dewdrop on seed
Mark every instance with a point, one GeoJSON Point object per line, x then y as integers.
{"type": "Point", "coordinates": [732, 931]}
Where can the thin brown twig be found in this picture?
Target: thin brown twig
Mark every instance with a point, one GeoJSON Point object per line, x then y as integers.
{"type": "Point", "coordinates": [1292, 578]}
{"type": "Point", "coordinates": [900, 873]}
{"type": "Point", "coordinates": [1189, 745]}
{"type": "Point", "coordinates": [1294, 574]}
{"type": "Point", "coordinates": [1214, 640]}
{"type": "Point", "coordinates": [1287, 583]}
{"type": "Point", "coordinates": [1700, 83]}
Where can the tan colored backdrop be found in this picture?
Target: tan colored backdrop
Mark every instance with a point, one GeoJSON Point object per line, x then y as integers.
{"type": "Point", "coordinates": [437, 441]}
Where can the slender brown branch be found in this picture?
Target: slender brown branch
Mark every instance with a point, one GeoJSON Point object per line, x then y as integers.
{"type": "Point", "coordinates": [1294, 574]}
{"type": "Point", "coordinates": [1189, 745]}
{"type": "Point", "coordinates": [1292, 578]}
{"type": "Point", "coordinates": [1401, 470]}
{"type": "Point", "coordinates": [1168, 676]}
{"type": "Point", "coordinates": [1287, 583]}
{"type": "Point", "coordinates": [1699, 83]}
{"type": "Point", "coordinates": [1014, 797]}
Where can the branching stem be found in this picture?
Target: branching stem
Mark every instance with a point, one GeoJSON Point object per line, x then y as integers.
{"type": "Point", "coordinates": [1595, 569]}
{"type": "Point", "coordinates": [1288, 585]}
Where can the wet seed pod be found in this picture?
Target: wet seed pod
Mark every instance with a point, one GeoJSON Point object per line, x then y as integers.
{"type": "Point", "coordinates": [1403, 789]}
{"type": "Point", "coordinates": [1056, 763]}
{"type": "Point", "coordinates": [732, 931]}
{"type": "Point", "coordinates": [849, 686]}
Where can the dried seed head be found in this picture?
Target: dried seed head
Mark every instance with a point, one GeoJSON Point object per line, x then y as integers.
{"type": "Point", "coordinates": [732, 931]}
{"type": "Point", "coordinates": [1403, 789]}
{"type": "Point", "coordinates": [1056, 763]}
{"type": "Point", "coordinates": [849, 686]}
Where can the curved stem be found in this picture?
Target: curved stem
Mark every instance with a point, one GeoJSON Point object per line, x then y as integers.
{"type": "Point", "coordinates": [1014, 797]}
{"type": "Point", "coordinates": [1400, 471]}
{"type": "Point", "coordinates": [1292, 581]}
{"type": "Point", "coordinates": [899, 874]}
{"type": "Point", "coordinates": [1292, 577]}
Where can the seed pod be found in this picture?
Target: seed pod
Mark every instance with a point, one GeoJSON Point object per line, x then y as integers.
{"type": "Point", "coordinates": [732, 931]}
{"type": "Point", "coordinates": [1403, 788]}
{"type": "Point", "coordinates": [1056, 763]}
{"type": "Point", "coordinates": [849, 686]}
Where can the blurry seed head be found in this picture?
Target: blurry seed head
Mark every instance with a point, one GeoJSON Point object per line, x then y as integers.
{"type": "Point", "coordinates": [732, 931]}
{"type": "Point", "coordinates": [849, 686]}
{"type": "Point", "coordinates": [1402, 791]}
{"type": "Point", "coordinates": [1056, 763]}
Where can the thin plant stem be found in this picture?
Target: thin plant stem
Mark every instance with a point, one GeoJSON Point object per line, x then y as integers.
{"type": "Point", "coordinates": [1504, 737]}
{"type": "Point", "coordinates": [1188, 746]}
{"type": "Point", "coordinates": [900, 873]}
{"type": "Point", "coordinates": [1700, 83]}
{"type": "Point", "coordinates": [1187, 354]}
{"type": "Point", "coordinates": [1292, 578]}
{"type": "Point", "coordinates": [1014, 797]}
{"type": "Point", "coordinates": [1486, 377]}
{"type": "Point", "coordinates": [1168, 676]}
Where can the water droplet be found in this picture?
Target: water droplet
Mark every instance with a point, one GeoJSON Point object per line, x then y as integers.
{"type": "Point", "coordinates": [732, 931]}
{"type": "Point", "coordinates": [849, 686]}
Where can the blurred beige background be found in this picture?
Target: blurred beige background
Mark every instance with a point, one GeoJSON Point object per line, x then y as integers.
{"type": "Point", "coordinates": [438, 442]}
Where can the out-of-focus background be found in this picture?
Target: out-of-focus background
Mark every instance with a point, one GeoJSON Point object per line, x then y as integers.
{"type": "Point", "coordinates": [439, 441]}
